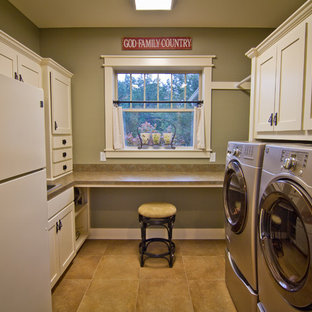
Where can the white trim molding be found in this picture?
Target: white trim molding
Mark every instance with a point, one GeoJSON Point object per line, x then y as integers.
{"type": "Point", "coordinates": [113, 63]}
{"type": "Point", "coordinates": [178, 233]}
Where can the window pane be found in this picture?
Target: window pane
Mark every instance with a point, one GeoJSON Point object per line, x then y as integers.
{"type": "Point", "coordinates": [178, 87]}
{"type": "Point", "coordinates": [158, 122]}
{"type": "Point", "coordinates": [192, 88]}
{"type": "Point", "coordinates": [123, 87]}
{"type": "Point", "coordinates": [151, 89]}
{"type": "Point", "coordinates": [164, 87]}
{"type": "Point", "coordinates": [137, 90]}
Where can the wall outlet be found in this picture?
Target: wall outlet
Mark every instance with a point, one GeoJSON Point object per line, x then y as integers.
{"type": "Point", "coordinates": [102, 156]}
{"type": "Point", "coordinates": [212, 157]}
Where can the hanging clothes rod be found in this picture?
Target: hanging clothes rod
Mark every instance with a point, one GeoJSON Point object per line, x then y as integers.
{"type": "Point", "coordinates": [156, 102]}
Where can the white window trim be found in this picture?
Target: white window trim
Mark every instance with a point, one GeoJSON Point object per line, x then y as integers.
{"type": "Point", "coordinates": [113, 63]}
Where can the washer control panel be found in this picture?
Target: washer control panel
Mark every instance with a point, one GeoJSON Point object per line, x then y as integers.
{"type": "Point", "coordinates": [294, 161]}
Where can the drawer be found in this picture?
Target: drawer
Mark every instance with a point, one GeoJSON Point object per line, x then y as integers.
{"type": "Point", "coordinates": [61, 141]}
{"type": "Point", "coordinates": [62, 154]}
{"type": "Point", "coordinates": [62, 167]}
{"type": "Point", "coordinates": [60, 201]}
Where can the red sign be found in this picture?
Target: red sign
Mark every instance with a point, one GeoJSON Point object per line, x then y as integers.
{"type": "Point", "coordinates": [157, 43]}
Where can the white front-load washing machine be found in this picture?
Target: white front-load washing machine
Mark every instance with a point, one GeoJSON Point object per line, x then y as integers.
{"type": "Point", "coordinates": [285, 229]}
{"type": "Point", "coordinates": [240, 190]}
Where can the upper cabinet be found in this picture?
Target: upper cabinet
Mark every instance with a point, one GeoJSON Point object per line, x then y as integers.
{"type": "Point", "coordinates": [57, 89]}
{"type": "Point", "coordinates": [18, 62]}
{"type": "Point", "coordinates": [281, 72]}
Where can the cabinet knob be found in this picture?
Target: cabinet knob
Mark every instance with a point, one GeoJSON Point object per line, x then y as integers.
{"type": "Point", "coordinates": [55, 125]}
{"type": "Point", "coordinates": [60, 224]}
{"type": "Point", "coordinates": [270, 121]}
{"type": "Point", "coordinates": [21, 78]}
{"type": "Point", "coordinates": [64, 167]}
{"type": "Point", "coordinates": [64, 154]}
{"type": "Point", "coordinates": [64, 142]}
{"type": "Point", "coordinates": [275, 119]}
{"type": "Point", "coordinates": [56, 227]}
{"type": "Point", "coordinates": [16, 76]}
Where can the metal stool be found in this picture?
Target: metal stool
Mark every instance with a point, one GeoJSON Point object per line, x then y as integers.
{"type": "Point", "coordinates": [157, 214]}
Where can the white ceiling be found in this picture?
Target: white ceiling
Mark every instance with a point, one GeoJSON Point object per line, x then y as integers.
{"type": "Point", "coordinates": [186, 13]}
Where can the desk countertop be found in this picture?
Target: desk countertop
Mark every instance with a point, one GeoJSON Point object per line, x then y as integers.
{"type": "Point", "coordinates": [211, 176]}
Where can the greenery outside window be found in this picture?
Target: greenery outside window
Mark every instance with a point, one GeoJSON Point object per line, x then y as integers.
{"type": "Point", "coordinates": [157, 96]}
{"type": "Point", "coordinates": [164, 124]}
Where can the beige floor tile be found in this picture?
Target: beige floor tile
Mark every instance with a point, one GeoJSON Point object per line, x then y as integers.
{"type": "Point", "coordinates": [202, 247]}
{"type": "Point", "coordinates": [156, 268]}
{"type": "Point", "coordinates": [204, 267]}
{"type": "Point", "coordinates": [163, 296]}
{"type": "Point", "coordinates": [93, 247]}
{"type": "Point", "coordinates": [110, 296]}
{"type": "Point", "coordinates": [83, 267]}
{"type": "Point", "coordinates": [210, 296]}
{"type": "Point", "coordinates": [68, 294]}
{"type": "Point", "coordinates": [122, 267]}
{"type": "Point", "coordinates": [122, 247]}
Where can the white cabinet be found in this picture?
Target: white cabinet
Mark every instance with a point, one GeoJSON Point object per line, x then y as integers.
{"type": "Point", "coordinates": [308, 82]}
{"type": "Point", "coordinates": [57, 89]}
{"type": "Point", "coordinates": [60, 102]}
{"type": "Point", "coordinates": [281, 106]}
{"type": "Point", "coordinates": [61, 227]}
{"type": "Point", "coordinates": [18, 62]}
{"type": "Point", "coordinates": [280, 82]}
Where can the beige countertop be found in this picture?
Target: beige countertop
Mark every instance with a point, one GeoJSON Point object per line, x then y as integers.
{"type": "Point", "coordinates": [145, 176]}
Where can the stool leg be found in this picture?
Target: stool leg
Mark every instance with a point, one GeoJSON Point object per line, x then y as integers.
{"type": "Point", "coordinates": [143, 242]}
{"type": "Point", "coordinates": [171, 250]}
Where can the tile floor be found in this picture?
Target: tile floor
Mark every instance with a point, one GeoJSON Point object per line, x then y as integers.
{"type": "Point", "coordinates": [106, 276]}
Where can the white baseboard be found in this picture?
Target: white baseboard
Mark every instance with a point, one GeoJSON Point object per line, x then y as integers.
{"type": "Point", "coordinates": [124, 233]}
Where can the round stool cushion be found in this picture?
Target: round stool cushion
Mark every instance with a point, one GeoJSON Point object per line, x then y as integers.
{"type": "Point", "coordinates": [157, 210]}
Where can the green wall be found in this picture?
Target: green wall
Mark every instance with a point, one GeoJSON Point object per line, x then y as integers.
{"type": "Point", "coordinates": [79, 51]}
{"type": "Point", "coordinates": [15, 24]}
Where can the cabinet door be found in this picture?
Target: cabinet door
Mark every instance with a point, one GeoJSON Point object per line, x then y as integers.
{"type": "Point", "coordinates": [54, 253]}
{"type": "Point", "coordinates": [290, 79]}
{"type": "Point", "coordinates": [60, 103]}
{"type": "Point", "coordinates": [265, 89]}
{"type": "Point", "coordinates": [308, 80]}
{"type": "Point", "coordinates": [66, 236]}
{"type": "Point", "coordinates": [8, 61]}
{"type": "Point", "coordinates": [29, 71]}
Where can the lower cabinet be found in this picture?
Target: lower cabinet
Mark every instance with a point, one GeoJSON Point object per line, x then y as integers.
{"type": "Point", "coordinates": [61, 227]}
{"type": "Point", "coordinates": [68, 227]}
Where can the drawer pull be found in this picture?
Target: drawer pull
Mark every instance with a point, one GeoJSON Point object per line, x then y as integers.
{"type": "Point", "coordinates": [64, 154]}
{"type": "Point", "coordinates": [64, 141]}
{"type": "Point", "coordinates": [55, 125]}
{"type": "Point", "coordinates": [64, 167]}
{"type": "Point", "coordinates": [56, 227]}
{"type": "Point", "coordinates": [16, 76]}
{"type": "Point", "coordinates": [21, 78]}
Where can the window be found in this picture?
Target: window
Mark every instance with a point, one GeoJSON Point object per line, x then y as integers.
{"type": "Point", "coordinates": [163, 116]}
{"type": "Point", "coordinates": [152, 106]}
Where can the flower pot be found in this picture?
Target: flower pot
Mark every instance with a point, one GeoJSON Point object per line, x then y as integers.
{"type": "Point", "coordinates": [156, 138]}
{"type": "Point", "coordinates": [145, 136]}
{"type": "Point", "coordinates": [167, 138]}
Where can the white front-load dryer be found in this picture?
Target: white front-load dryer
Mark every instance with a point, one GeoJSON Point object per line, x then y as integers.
{"type": "Point", "coordinates": [285, 229]}
{"type": "Point", "coordinates": [240, 190]}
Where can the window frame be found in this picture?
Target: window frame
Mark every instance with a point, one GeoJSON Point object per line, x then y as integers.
{"type": "Point", "coordinates": [113, 64]}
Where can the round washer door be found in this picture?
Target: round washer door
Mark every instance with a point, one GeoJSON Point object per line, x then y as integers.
{"type": "Point", "coordinates": [235, 196]}
{"type": "Point", "coordinates": [285, 230]}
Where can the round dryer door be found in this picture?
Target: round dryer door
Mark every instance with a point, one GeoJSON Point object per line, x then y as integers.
{"type": "Point", "coordinates": [235, 196]}
{"type": "Point", "coordinates": [285, 229]}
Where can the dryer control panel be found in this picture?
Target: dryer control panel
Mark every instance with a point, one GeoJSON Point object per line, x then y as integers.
{"type": "Point", "coordinates": [294, 161]}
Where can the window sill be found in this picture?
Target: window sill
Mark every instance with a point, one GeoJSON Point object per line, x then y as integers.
{"type": "Point", "coordinates": [158, 153]}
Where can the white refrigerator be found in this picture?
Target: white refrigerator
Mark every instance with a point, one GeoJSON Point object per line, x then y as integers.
{"type": "Point", "coordinates": [24, 253]}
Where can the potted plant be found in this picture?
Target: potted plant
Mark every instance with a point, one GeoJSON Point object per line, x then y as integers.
{"type": "Point", "coordinates": [145, 132]}
{"type": "Point", "coordinates": [167, 135]}
{"type": "Point", "coordinates": [156, 137]}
